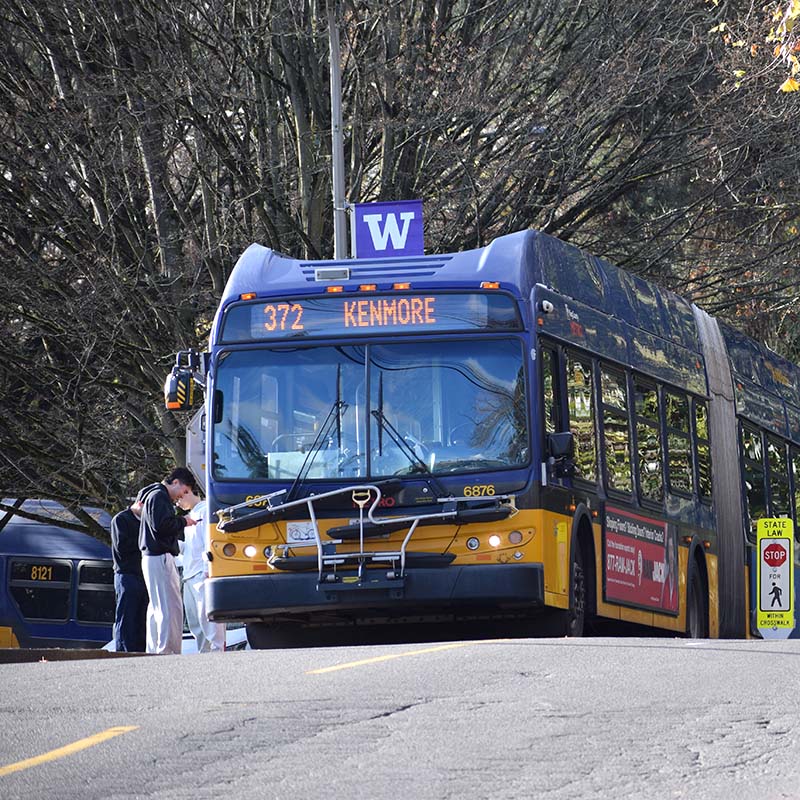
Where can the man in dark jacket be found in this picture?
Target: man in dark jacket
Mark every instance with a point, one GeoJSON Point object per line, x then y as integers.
{"type": "Point", "coordinates": [159, 531]}
{"type": "Point", "coordinates": [130, 622]}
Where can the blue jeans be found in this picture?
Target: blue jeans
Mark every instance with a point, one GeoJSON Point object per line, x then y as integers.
{"type": "Point", "coordinates": [130, 624]}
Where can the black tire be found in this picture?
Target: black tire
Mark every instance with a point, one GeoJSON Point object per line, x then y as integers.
{"type": "Point", "coordinates": [696, 604]}
{"type": "Point", "coordinates": [572, 621]}
{"type": "Point", "coordinates": [576, 616]}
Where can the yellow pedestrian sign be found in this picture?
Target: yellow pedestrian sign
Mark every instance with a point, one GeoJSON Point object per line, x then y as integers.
{"type": "Point", "coordinates": [775, 578]}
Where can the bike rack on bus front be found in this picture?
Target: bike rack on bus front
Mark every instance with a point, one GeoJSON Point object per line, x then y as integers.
{"type": "Point", "coordinates": [461, 510]}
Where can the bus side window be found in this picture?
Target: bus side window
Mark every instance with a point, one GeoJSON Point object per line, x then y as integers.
{"type": "Point", "coordinates": [581, 417]}
{"type": "Point", "coordinates": [648, 438]}
{"type": "Point", "coordinates": [703, 449]}
{"type": "Point", "coordinates": [41, 588]}
{"type": "Point", "coordinates": [616, 435]}
{"type": "Point", "coordinates": [753, 474]}
{"type": "Point", "coordinates": [779, 502]}
{"type": "Point", "coordinates": [679, 449]}
{"type": "Point", "coordinates": [550, 403]}
{"type": "Point", "coordinates": [96, 601]}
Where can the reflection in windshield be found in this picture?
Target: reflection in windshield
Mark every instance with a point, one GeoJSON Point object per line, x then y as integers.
{"type": "Point", "coordinates": [459, 407]}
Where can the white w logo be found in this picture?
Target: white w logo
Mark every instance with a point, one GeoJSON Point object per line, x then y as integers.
{"type": "Point", "coordinates": [391, 230]}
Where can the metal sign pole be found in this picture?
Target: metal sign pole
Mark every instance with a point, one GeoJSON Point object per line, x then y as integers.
{"type": "Point", "coordinates": [337, 142]}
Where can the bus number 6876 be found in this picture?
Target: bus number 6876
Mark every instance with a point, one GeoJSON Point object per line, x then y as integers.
{"type": "Point", "coordinates": [479, 490]}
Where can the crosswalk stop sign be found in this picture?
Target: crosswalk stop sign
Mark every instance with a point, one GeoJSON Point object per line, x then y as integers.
{"type": "Point", "coordinates": [775, 578]}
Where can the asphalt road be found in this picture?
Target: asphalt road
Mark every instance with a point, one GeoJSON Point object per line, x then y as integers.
{"type": "Point", "coordinates": [526, 718]}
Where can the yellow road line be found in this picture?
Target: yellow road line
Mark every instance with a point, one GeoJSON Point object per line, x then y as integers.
{"type": "Point", "coordinates": [388, 657]}
{"type": "Point", "coordinates": [68, 750]}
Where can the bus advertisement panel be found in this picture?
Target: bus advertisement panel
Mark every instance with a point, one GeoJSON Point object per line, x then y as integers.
{"type": "Point", "coordinates": [640, 562]}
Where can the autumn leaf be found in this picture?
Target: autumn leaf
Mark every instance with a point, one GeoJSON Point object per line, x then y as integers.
{"type": "Point", "coordinates": [790, 85]}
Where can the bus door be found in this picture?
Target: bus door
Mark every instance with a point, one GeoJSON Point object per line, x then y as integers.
{"type": "Point", "coordinates": [570, 447]}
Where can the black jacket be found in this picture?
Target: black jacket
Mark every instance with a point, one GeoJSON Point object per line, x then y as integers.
{"type": "Point", "coordinates": [125, 550]}
{"type": "Point", "coordinates": [160, 527]}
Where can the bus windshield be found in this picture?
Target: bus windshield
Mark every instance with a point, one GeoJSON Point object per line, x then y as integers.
{"type": "Point", "coordinates": [367, 411]}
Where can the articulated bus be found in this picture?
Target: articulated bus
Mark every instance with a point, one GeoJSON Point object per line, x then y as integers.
{"type": "Point", "coordinates": [56, 584]}
{"type": "Point", "coordinates": [521, 430]}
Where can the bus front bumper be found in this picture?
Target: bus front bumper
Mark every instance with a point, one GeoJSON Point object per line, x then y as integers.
{"type": "Point", "coordinates": [258, 597]}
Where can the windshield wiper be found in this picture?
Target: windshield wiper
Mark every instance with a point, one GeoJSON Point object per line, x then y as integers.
{"type": "Point", "coordinates": [417, 464]}
{"type": "Point", "coordinates": [234, 523]}
{"type": "Point", "coordinates": [334, 417]}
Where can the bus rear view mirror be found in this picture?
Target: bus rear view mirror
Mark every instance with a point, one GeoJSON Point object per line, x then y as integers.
{"type": "Point", "coordinates": [560, 451]}
{"type": "Point", "coordinates": [218, 406]}
{"type": "Point", "coordinates": [560, 445]}
{"type": "Point", "coordinates": [179, 390]}
{"type": "Point", "coordinates": [186, 376]}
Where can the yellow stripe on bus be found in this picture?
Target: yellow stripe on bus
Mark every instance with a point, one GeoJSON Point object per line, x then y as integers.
{"type": "Point", "coordinates": [8, 638]}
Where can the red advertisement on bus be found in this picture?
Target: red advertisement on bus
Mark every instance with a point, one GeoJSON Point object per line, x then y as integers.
{"type": "Point", "coordinates": [640, 562]}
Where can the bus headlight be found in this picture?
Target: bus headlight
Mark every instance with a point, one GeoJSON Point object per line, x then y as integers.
{"type": "Point", "coordinates": [473, 543]}
{"type": "Point", "coordinates": [250, 550]}
{"type": "Point", "coordinates": [494, 540]}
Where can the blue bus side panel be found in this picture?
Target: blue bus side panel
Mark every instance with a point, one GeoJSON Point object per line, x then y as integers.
{"type": "Point", "coordinates": [27, 540]}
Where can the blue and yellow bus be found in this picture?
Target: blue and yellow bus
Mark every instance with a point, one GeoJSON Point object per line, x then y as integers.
{"type": "Point", "coordinates": [56, 584]}
{"type": "Point", "coordinates": [516, 429]}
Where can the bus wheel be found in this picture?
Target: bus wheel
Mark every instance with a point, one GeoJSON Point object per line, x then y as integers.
{"type": "Point", "coordinates": [696, 604]}
{"type": "Point", "coordinates": [576, 616]}
{"type": "Point", "coordinates": [569, 621]}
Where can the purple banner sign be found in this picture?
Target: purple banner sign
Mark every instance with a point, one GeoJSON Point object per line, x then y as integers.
{"type": "Point", "coordinates": [381, 230]}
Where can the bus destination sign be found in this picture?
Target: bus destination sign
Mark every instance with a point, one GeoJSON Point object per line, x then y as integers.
{"type": "Point", "coordinates": [339, 314]}
{"type": "Point", "coordinates": [378, 312]}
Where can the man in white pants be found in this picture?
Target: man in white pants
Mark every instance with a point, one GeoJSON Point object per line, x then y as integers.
{"type": "Point", "coordinates": [159, 531]}
{"type": "Point", "coordinates": [210, 636]}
